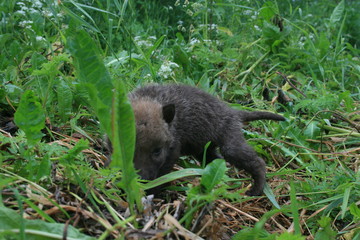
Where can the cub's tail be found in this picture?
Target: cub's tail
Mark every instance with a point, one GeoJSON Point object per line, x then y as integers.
{"type": "Point", "coordinates": [259, 115]}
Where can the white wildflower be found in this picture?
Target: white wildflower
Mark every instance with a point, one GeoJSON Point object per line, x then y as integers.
{"type": "Point", "coordinates": [166, 69]}
{"type": "Point", "coordinates": [257, 28]}
{"type": "Point", "coordinates": [194, 41]}
{"type": "Point", "coordinates": [189, 12]}
{"type": "Point", "coordinates": [21, 12]}
{"type": "Point", "coordinates": [47, 13]}
{"type": "Point", "coordinates": [142, 43]}
{"type": "Point", "coordinates": [24, 8]}
{"type": "Point", "coordinates": [37, 4]}
{"type": "Point", "coordinates": [33, 10]}
{"type": "Point", "coordinates": [248, 12]}
{"type": "Point", "coordinates": [25, 23]}
{"type": "Point", "coordinates": [196, 7]}
{"type": "Point", "coordinates": [191, 28]}
{"type": "Point", "coordinates": [40, 38]}
{"type": "Point", "coordinates": [147, 77]}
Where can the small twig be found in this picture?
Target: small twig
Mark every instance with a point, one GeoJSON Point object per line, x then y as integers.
{"type": "Point", "coordinates": [238, 210]}
{"type": "Point", "coordinates": [291, 84]}
{"type": "Point", "coordinates": [345, 119]}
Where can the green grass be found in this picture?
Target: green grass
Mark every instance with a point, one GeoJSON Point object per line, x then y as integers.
{"type": "Point", "coordinates": [65, 69]}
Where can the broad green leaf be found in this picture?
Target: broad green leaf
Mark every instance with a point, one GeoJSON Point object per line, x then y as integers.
{"type": "Point", "coordinates": [30, 117]}
{"type": "Point", "coordinates": [337, 13]}
{"type": "Point", "coordinates": [312, 130]}
{"type": "Point", "coordinates": [92, 74]}
{"type": "Point", "coordinates": [268, 11]}
{"type": "Point", "coordinates": [35, 229]}
{"type": "Point", "coordinates": [213, 174]}
{"type": "Point", "coordinates": [355, 210]}
{"type": "Point", "coordinates": [349, 102]}
{"type": "Point", "coordinates": [187, 172]}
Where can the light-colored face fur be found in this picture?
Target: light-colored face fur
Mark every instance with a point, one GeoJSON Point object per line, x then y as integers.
{"type": "Point", "coordinates": [153, 138]}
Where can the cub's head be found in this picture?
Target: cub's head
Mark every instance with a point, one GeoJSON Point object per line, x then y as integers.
{"type": "Point", "coordinates": [153, 136]}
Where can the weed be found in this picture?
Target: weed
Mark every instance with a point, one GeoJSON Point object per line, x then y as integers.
{"type": "Point", "coordinates": [65, 70]}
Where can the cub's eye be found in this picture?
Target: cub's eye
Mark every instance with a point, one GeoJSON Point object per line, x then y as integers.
{"type": "Point", "coordinates": [156, 152]}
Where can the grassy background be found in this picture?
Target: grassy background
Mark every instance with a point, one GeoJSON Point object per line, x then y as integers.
{"type": "Point", "coordinates": [60, 62]}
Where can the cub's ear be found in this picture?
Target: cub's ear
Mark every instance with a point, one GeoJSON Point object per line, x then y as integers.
{"type": "Point", "coordinates": [168, 112]}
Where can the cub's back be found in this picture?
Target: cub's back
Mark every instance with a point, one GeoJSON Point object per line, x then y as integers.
{"type": "Point", "coordinates": [199, 117]}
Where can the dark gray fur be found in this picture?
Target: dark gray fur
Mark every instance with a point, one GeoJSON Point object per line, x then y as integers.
{"type": "Point", "coordinates": [178, 120]}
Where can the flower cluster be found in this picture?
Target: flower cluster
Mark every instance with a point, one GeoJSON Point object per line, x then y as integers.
{"type": "Point", "coordinates": [167, 69]}
{"type": "Point", "coordinates": [144, 43]}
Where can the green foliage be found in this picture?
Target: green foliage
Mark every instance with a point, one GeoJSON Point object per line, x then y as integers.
{"type": "Point", "coordinates": [299, 58]}
{"type": "Point", "coordinates": [13, 226]}
{"type": "Point", "coordinates": [30, 117]}
{"type": "Point", "coordinates": [95, 78]}
{"type": "Point", "coordinates": [212, 186]}
{"type": "Point", "coordinates": [213, 174]}
{"type": "Point", "coordinates": [325, 232]}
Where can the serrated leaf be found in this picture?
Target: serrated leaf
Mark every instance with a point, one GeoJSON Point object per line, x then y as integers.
{"type": "Point", "coordinates": [213, 174]}
{"type": "Point", "coordinates": [337, 13]}
{"type": "Point", "coordinates": [325, 231]}
{"type": "Point", "coordinates": [111, 107]}
{"type": "Point", "coordinates": [35, 229]}
{"type": "Point", "coordinates": [92, 74]}
{"type": "Point", "coordinates": [323, 44]}
{"type": "Point", "coordinates": [30, 117]}
{"type": "Point", "coordinates": [65, 98]}
{"type": "Point", "coordinates": [44, 167]}
{"type": "Point", "coordinates": [73, 152]}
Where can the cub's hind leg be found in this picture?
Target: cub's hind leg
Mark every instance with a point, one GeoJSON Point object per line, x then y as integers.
{"type": "Point", "coordinates": [236, 151]}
